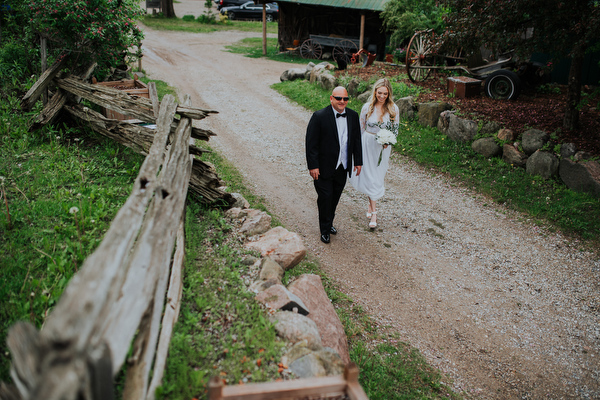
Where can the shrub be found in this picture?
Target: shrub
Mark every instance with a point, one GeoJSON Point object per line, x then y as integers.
{"type": "Point", "coordinates": [92, 30]}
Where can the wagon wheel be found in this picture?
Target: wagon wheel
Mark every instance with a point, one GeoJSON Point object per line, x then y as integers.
{"type": "Point", "coordinates": [420, 53]}
{"type": "Point", "coordinates": [344, 50]}
{"type": "Point", "coordinates": [310, 49]}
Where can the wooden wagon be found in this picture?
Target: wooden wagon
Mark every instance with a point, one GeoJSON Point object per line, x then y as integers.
{"type": "Point", "coordinates": [423, 55]}
{"type": "Point", "coordinates": [342, 48]}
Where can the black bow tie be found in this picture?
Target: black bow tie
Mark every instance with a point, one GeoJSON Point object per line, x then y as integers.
{"type": "Point", "coordinates": [340, 115]}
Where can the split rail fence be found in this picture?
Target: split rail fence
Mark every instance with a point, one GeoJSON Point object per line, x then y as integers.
{"type": "Point", "coordinates": [122, 304]}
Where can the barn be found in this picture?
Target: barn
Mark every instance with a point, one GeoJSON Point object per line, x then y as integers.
{"type": "Point", "coordinates": [324, 23]}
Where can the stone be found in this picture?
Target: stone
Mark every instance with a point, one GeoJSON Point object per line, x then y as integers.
{"type": "Point", "coordinates": [256, 222]}
{"type": "Point", "coordinates": [319, 69]}
{"type": "Point", "coordinates": [316, 364]}
{"type": "Point", "coordinates": [327, 81]}
{"type": "Point", "coordinates": [533, 140]}
{"type": "Point", "coordinates": [308, 366]}
{"type": "Point", "coordinates": [309, 288]}
{"type": "Point", "coordinates": [249, 260]}
{"type": "Point", "coordinates": [260, 285]}
{"type": "Point", "coordinates": [506, 135]}
{"type": "Point", "coordinates": [277, 297]}
{"type": "Point", "coordinates": [269, 269]}
{"type": "Point", "coordinates": [298, 350]}
{"type": "Point", "coordinates": [490, 128]}
{"type": "Point", "coordinates": [429, 113]}
{"type": "Point", "coordinates": [583, 177]}
{"type": "Point", "coordinates": [284, 247]}
{"type": "Point", "coordinates": [457, 129]}
{"type": "Point", "coordinates": [406, 106]}
{"type": "Point", "coordinates": [294, 327]}
{"type": "Point", "coordinates": [542, 163]}
{"type": "Point", "coordinates": [513, 156]}
{"type": "Point", "coordinates": [239, 201]}
{"type": "Point", "coordinates": [582, 156]}
{"type": "Point", "coordinates": [292, 74]}
{"type": "Point", "coordinates": [568, 150]}
{"type": "Point", "coordinates": [364, 97]}
{"type": "Point", "coordinates": [487, 147]}
{"type": "Point", "coordinates": [234, 213]}
{"type": "Point", "coordinates": [353, 87]}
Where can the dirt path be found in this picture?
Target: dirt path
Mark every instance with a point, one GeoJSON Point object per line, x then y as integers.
{"type": "Point", "coordinates": [507, 310]}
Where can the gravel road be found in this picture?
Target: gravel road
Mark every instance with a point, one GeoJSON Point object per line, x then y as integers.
{"type": "Point", "coordinates": [507, 309]}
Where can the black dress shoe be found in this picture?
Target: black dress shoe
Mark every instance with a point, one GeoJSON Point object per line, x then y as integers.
{"type": "Point", "coordinates": [325, 237]}
{"type": "Point", "coordinates": [333, 231]}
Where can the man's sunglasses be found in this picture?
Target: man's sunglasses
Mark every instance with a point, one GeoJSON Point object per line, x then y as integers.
{"type": "Point", "coordinates": [339, 98]}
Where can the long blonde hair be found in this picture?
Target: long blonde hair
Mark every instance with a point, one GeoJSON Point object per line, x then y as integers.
{"type": "Point", "coordinates": [388, 106]}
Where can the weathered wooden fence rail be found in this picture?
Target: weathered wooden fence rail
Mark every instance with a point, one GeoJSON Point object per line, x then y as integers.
{"type": "Point", "coordinates": [116, 301]}
{"type": "Point", "coordinates": [119, 293]}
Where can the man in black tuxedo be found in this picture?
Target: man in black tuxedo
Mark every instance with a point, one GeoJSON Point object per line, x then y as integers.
{"type": "Point", "coordinates": [333, 145]}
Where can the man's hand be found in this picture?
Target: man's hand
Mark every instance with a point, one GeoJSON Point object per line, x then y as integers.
{"type": "Point", "coordinates": [357, 169]}
{"type": "Point", "coordinates": [314, 173]}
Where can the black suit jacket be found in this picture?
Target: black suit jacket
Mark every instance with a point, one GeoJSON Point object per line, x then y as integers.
{"type": "Point", "coordinates": [323, 144]}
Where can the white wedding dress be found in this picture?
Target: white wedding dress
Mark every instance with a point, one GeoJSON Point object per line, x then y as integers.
{"type": "Point", "coordinates": [370, 180]}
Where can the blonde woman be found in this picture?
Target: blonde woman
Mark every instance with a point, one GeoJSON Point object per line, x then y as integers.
{"type": "Point", "coordinates": [379, 109]}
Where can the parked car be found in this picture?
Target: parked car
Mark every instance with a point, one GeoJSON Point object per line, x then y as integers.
{"type": "Point", "coordinates": [249, 10]}
{"type": "Point", "coordinates": [229, 3]}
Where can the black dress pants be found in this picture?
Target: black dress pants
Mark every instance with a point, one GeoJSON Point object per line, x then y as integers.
{"type": "Point", "coordinates": [329, 191]}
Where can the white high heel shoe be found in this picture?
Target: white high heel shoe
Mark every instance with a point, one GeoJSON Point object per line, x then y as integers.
{"type": "Point", "coordinates": [373, 224]}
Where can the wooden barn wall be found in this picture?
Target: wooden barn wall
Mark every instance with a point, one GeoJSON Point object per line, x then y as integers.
{"type": "Point", "coordinates": [298, 21]}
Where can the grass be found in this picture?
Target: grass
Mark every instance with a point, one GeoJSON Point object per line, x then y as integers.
{"type": "Point", "coordinates": [252, 47]}
{"type": "Point", "coordinates": [161, 23]}
{"type": "Point", "coordinates": [222, 331]}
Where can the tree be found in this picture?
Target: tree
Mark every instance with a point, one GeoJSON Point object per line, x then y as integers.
{"type": "Point", "coordinates": [167, 8]}
{"type": "Point", "coordinates": [563, 29]}
{"type": "Point", "coordinates": [403, 17]}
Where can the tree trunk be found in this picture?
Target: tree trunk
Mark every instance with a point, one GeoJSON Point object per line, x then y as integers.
{"type": "Point", "coordinates": [167, 8]}
{"type": "Point", "coordinates": [571, 119]}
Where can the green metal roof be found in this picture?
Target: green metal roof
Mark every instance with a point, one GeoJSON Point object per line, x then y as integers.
{"type": "Point", "coordinates": [374, 5]}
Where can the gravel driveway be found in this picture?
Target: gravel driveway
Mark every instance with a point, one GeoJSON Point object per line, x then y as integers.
{"type": "Point", "coordinates": [506, 309]}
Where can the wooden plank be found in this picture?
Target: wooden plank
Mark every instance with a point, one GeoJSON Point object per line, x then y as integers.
{"type": "Point", "coordinates": [42, 83]}
{"type": "Point", "coordinates": [92, 290]}
{"type": "Point", "coordinates": [50, 111]}
{"type": "Point", "coordinates": [153, 97]}
{"type": "Point", "coordinates": [163, 224]}
{"type": "Point", "coordinates": [119, 322]}
{"type": "Point", "coordinates": [283, 389]}
{"type": "Point", "coordinates": [171, 312]}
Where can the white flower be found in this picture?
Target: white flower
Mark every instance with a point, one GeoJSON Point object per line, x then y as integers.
{"type": "Point", "coordinates": [384, 137]}
{"type": "Point", "coordinates": [73, 210]}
